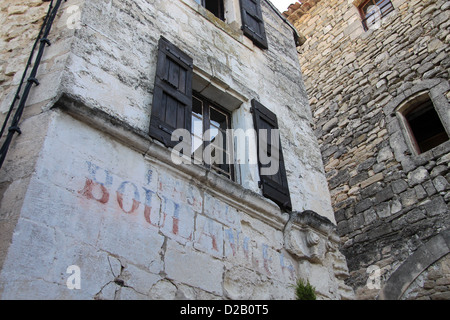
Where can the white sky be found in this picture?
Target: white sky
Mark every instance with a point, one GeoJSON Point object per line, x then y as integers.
{"type": "Point", "coordinates": [282, 5]}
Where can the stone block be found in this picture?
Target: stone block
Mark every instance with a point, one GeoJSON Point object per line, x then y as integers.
{"type": "Point", "coordinates": [370, 216]}
{"type": "Point", "coordinates": [341, 177]}
{"type": "Point", "coordinates": [417, 176]}
{"type": "Point", "coordinates": [375, 178]}
{"type": "Point", "coordinates": [408, 198]}
{"type": "Point", "coordinates": [366, 165]}
{"type": "Point", "coordinates": [177, 220]}
{"type": "Point", "coordinates": [384, 195]}
{"type": "Point", "coordinates": [330, 125]}
{"type": "Point", "coordinates": [358, 178]}
{"type": "Point", "coordinates": [429, 187]}
{"type": "Point", "coordinates": [414, 215]}
{"type": "Point", "coordinates": [438, 170]}
{"type": "Point", "coordinates": [396, 206]}
{"type": "Point", "coordinates": [356, 222]}
{"type": "Point", "coordinates": [222, 212]}
{"type": "Point", "coordinates": [363, 205]}
{"type": "Point", "coordinates": [209, 236]}
{"type": "Point", "coordinates": [420, 192]}
{"type": "Point", "coordinates": [163, 290]}
{"type": "Point", "coordinates": [441, 184]}
{"type": "Point", "coordinates": [436, 206]}
{"type": "Point", "coordinates": [383, 210]}
{"type": "Point", "coordinates": [399, 186]}
{"type": "Point", "coordinates": [187, 272]}
{"type": "Point", "coordinates": [371, 190]}
{"type": "Point", "coordinates": [384, 155]}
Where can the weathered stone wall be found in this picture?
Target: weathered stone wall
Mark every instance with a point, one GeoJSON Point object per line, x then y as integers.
{"type": "Point", "coordinates": [432, 284]}
{"type": "Point", "coordinates": [388, 201]}
{"type": "Point", "coordinates": [21, 22]}
{"type": "Point", "coordinates": [17, 36]}
{"type": "Point", "coordinates": [100, 195]}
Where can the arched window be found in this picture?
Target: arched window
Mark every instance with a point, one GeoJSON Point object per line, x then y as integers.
{"type": "Point", "coordinates": [423, 127]}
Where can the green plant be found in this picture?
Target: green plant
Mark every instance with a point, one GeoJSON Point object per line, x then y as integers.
{"type": "Point", "coordinates": [304, 291]}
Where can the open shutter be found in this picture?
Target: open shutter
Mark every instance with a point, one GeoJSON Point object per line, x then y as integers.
{"type": "Point", "coordinates": [252, 22]}
{"type": "Point", "coordinates": [274, 186]}
{"type": "Point", "coordinates": [172, 96]}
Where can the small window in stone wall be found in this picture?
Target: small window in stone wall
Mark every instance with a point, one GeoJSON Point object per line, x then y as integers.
{"type": "Point", "coordinates": [423, 125]}
{"type": "Point", "coordinates": [215, 6]}
{"type": "Point", "coordinates": [372, 11]}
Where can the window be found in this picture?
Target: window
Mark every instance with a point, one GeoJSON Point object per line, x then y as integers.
{"type": "Point", "coordinates": [174, 107]}
{"type": "Point", "coordinates": [250, 14]}
{"type": "Point", "coordinates": [423, 125]}
{"type": "Point", "coordinates": [205, 125]}
{"type": "Point", "coordinates": [372, 11]}
{"type": "Point", "coordinates": [209, 140]}
{"type": "Point", "coordinates": [215, 6]}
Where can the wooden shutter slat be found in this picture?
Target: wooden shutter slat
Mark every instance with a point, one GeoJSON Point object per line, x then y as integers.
{"type": "Point", "coordinates": [172, 96]}
{"type": "Point", "coordinates": [274, 187]}
{"type": "Point", "coordinates": [252, 22]}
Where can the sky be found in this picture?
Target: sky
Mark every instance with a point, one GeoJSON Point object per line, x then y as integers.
{"type": "Point", "coordinates": [282, 5]}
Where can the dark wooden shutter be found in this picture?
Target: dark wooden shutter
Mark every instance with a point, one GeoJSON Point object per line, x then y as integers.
{"type": "Point", "coordinates": [274, 187]}
{"type": "Point", "coordinates": [172, 96]}
{"type": "Point", "coordinates": [252, 22]}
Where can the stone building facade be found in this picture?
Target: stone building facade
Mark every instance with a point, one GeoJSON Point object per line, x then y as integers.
{"type": "Point", "coordinates": [377, 77]}
{"type": "Point", "coordinates": [95, 203]}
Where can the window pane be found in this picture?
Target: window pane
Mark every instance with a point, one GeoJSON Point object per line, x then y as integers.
{"type": "Point", "coordinates": [209, 128]}
{"type": "Point", "coordinates": [197, 127]}
{"type": "Point", "coordinates": [216, 7]}
{"type": "Point", "coordinates": [197, 149]}
{"type": "Point", "coordinates": [218, 119]}
{"type": "Point", "coordinates": [197, 117]}
{"type": "Point", "coordinates": [385, 6]}
{"type": "Point", "coordinates": [213, 132]}
{"type": "Point", "coordinates": [197, 106]}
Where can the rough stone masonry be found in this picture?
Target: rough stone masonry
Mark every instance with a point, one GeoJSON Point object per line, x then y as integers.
{"type": "Point", "coordinates": [93, 208]}
{"type": "Point", "coordinates": [391, 204]}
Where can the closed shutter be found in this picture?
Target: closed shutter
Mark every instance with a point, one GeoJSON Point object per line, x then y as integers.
{"type": "Point", "coordinates": [252, 22]}
{"type": "Point", "coordinates": [172, 96]}
{"type": "Point", "coordinates": [274, 186]}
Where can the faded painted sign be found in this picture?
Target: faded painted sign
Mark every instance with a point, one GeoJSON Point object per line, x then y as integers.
{"type": "Point", "coordinates": [182, 212]}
